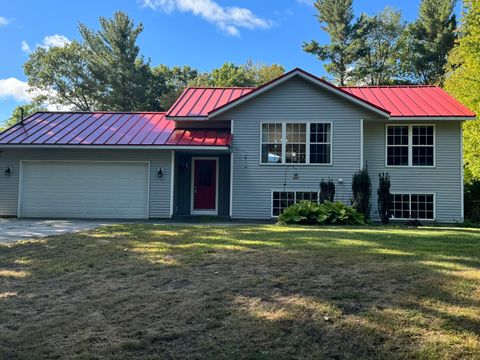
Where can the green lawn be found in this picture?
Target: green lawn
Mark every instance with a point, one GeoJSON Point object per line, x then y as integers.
{"type": "Point", "coordinates": [243, 291]}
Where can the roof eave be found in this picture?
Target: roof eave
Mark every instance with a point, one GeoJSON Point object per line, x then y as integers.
{"type": "Point", "coordinates": [116, 147]}
{"type": "Point", "coordinates": [186, 118]}
{"type": "Point", "coordinates": [427, 118]}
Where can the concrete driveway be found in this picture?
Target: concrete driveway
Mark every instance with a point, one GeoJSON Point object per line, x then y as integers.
{"type": "Point", "coordinates": [22, 229]}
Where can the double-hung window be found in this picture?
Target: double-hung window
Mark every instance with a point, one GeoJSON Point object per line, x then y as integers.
{"type": "Point", "coordinates": [296, 143]}
{"type": "Point", "coordinates": [410, 145]}
{"type": "Point", "coordinates": [272, 148]}
{"type": "Point", "coordinates": [413, 206]}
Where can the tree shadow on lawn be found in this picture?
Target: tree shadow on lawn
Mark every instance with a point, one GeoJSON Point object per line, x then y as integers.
{"type": "Point", "coordinates": [242, 292]}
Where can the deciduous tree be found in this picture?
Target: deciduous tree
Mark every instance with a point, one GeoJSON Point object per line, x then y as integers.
{"type": "Point", "coordinates": [463, 82]}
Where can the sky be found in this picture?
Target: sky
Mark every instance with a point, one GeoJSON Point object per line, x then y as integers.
{"type": "Point", "coordinates": [201, 33]}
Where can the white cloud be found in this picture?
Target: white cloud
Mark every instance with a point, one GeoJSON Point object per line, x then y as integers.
{"type": "Point", "coordinates": [4, 21]}
{"type": "Point", "coordinates": [228, 19]}
{"type": "Point", "coordinates": [48, 42]}
{"type": "Point", "coordinates": [55, 41]}
{"type": "Point", "coordinates": [18, 90]}
{"type": "Point", "coordinates": [26, 48]}
{"type": "Point", "coordinates": [14, 89]}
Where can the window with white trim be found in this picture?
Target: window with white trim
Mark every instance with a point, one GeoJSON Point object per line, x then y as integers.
{"type": "Point", "coordinates": [283, 199]}
{"type": "Point", "coordinates": [422, 145]}
{"type": "Point", "coordinates": [320, 143]}
{"type": "Point", "coordinates": [296, 143]}
{"type": "Point", "coordinates": [413, 206]}
{"type": "Point", "coordinates": [410, 145]}
{"type": "Point", "coordinates": [272, 143]}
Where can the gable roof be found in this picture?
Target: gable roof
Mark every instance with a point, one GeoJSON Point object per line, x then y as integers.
{"type": "Point", "coordinates": [195, 103]}
{"type": "Point", "coordinates": [429, 102]}
{"type": "Point", "coordinates": [413, 101]}
{"type": "Point", "coordinates": [123, 129]}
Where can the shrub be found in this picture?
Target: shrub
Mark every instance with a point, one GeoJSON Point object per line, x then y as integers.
{"type": "Point", "coordinates": [384, 197]}
{"type": "Point", "coordinates": [472, 201]}
{"type": "Point", "coordinates": [328, 213]}
{"type": "Point", "coordinates": [327, 191]}
{"type": "Point", "coordinates": [362, 192]}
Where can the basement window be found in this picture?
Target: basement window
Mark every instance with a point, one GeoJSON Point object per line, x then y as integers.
{"type": "Point", "coordinates": [283, 199]}
{"type": "Point", "coordinates": [413, 206]}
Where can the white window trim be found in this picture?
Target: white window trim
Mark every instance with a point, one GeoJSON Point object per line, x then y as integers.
{"type": "Point", "coordinates": [294, 197]}
{"type": "Point", "coordinates": [410, 147]}
{"type": "Point", "coordinates": [307, 144]}
{"type": "Point", "coordinates": [410, 205]}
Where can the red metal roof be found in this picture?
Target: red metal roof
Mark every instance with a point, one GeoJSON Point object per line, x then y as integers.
{"type": "Point", "coordinates": [411, 101]}
{"type": "Point", "coordinates": [108, 129]}
{"type": "Point", "coordinates": [199, 101]}
{"type": "Point", "coordinates": [398, 101]}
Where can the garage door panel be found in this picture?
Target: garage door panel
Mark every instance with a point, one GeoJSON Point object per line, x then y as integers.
{"type": "Point", "coordinates": [84, 190]}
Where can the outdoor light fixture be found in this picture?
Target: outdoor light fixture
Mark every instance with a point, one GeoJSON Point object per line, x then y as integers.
{"type": "Point", "coordinates": [160, 172]}
{"type": "Point", "coordinates": [245, 160]}
{"type": "Point", "coordinates": [8, 171]}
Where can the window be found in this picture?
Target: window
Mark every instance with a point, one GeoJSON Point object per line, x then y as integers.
{"type": "Point", "coordinates": [296, 143]}
{"type": "Point", "coordinates": [283, 199]}
{"type": "Point", "coordinates": [422, 145]}
{"type": "Point", "coordinates": [320, 142]}
{"type": "Point", "coordinates": [397, 145]}
{"type": "Point", "coordinates": [413, 206]}
{"type": "Point", "coordinates": [272, 143]}
{"type": "Point", "coordinates": [410, 145]}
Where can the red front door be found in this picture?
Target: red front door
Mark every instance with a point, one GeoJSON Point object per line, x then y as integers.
{"type": "Point", "coordinates": [204, 184]}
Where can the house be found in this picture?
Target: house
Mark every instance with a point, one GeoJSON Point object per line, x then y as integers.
{"type": "Point", "coordinates": [244, 153]}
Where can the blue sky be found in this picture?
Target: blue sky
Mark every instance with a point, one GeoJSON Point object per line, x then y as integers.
{"type": "Point", "coordinates": [200, 33]}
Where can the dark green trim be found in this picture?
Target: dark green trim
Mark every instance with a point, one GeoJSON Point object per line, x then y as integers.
{"type": "Point", "coordinates": [182, 183]}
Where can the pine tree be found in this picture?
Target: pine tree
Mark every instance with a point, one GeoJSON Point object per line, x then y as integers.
{"type": "Point", "coordinates": [114, 59]}
{"type": "Point", "coordinates": [336, 18]}
{"type": "Point", "coordinates": [427, 42]}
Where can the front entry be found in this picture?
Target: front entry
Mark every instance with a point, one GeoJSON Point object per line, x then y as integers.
{"type": "Point", "coordinates": [204, 186]}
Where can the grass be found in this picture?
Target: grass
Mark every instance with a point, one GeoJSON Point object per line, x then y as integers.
{"type": "Point", "coordinates": [242, 292]}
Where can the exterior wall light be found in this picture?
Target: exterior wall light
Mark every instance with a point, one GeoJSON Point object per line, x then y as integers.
{"type": "Point", "coordinates": [8, 171]}
{"type": "Point", "coordinates": [160, 172]}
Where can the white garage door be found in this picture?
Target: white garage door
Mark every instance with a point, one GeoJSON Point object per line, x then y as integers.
{"type": "Point", "coordinates": [84, 190]}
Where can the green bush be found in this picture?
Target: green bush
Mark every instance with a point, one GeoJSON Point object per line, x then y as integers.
{"type": "Point", "coordinates": [328, 213]}
{"type": "Point", "coordinates": [362, 191]}
{"type": "Point", "coordinates": [327, 191]}
{"type": "Point", "coordinates": [472, 201]}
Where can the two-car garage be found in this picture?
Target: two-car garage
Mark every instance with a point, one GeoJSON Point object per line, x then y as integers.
{"type": "Point", "coordinates": [84, 189]}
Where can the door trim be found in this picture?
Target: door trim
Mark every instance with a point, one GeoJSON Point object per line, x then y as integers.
{"type": "Point", "coordinates": [192, 187]}
{"type": "Point", "coordinates": [22, 162]}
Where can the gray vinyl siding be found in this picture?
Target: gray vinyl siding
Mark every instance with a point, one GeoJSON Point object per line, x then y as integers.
{"type": "Point", "coordinates": [159, 202]}
{"type": "Point", "coordinates": [295, 100]}
{"type": "Point", "coordinates": [444, 180]}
